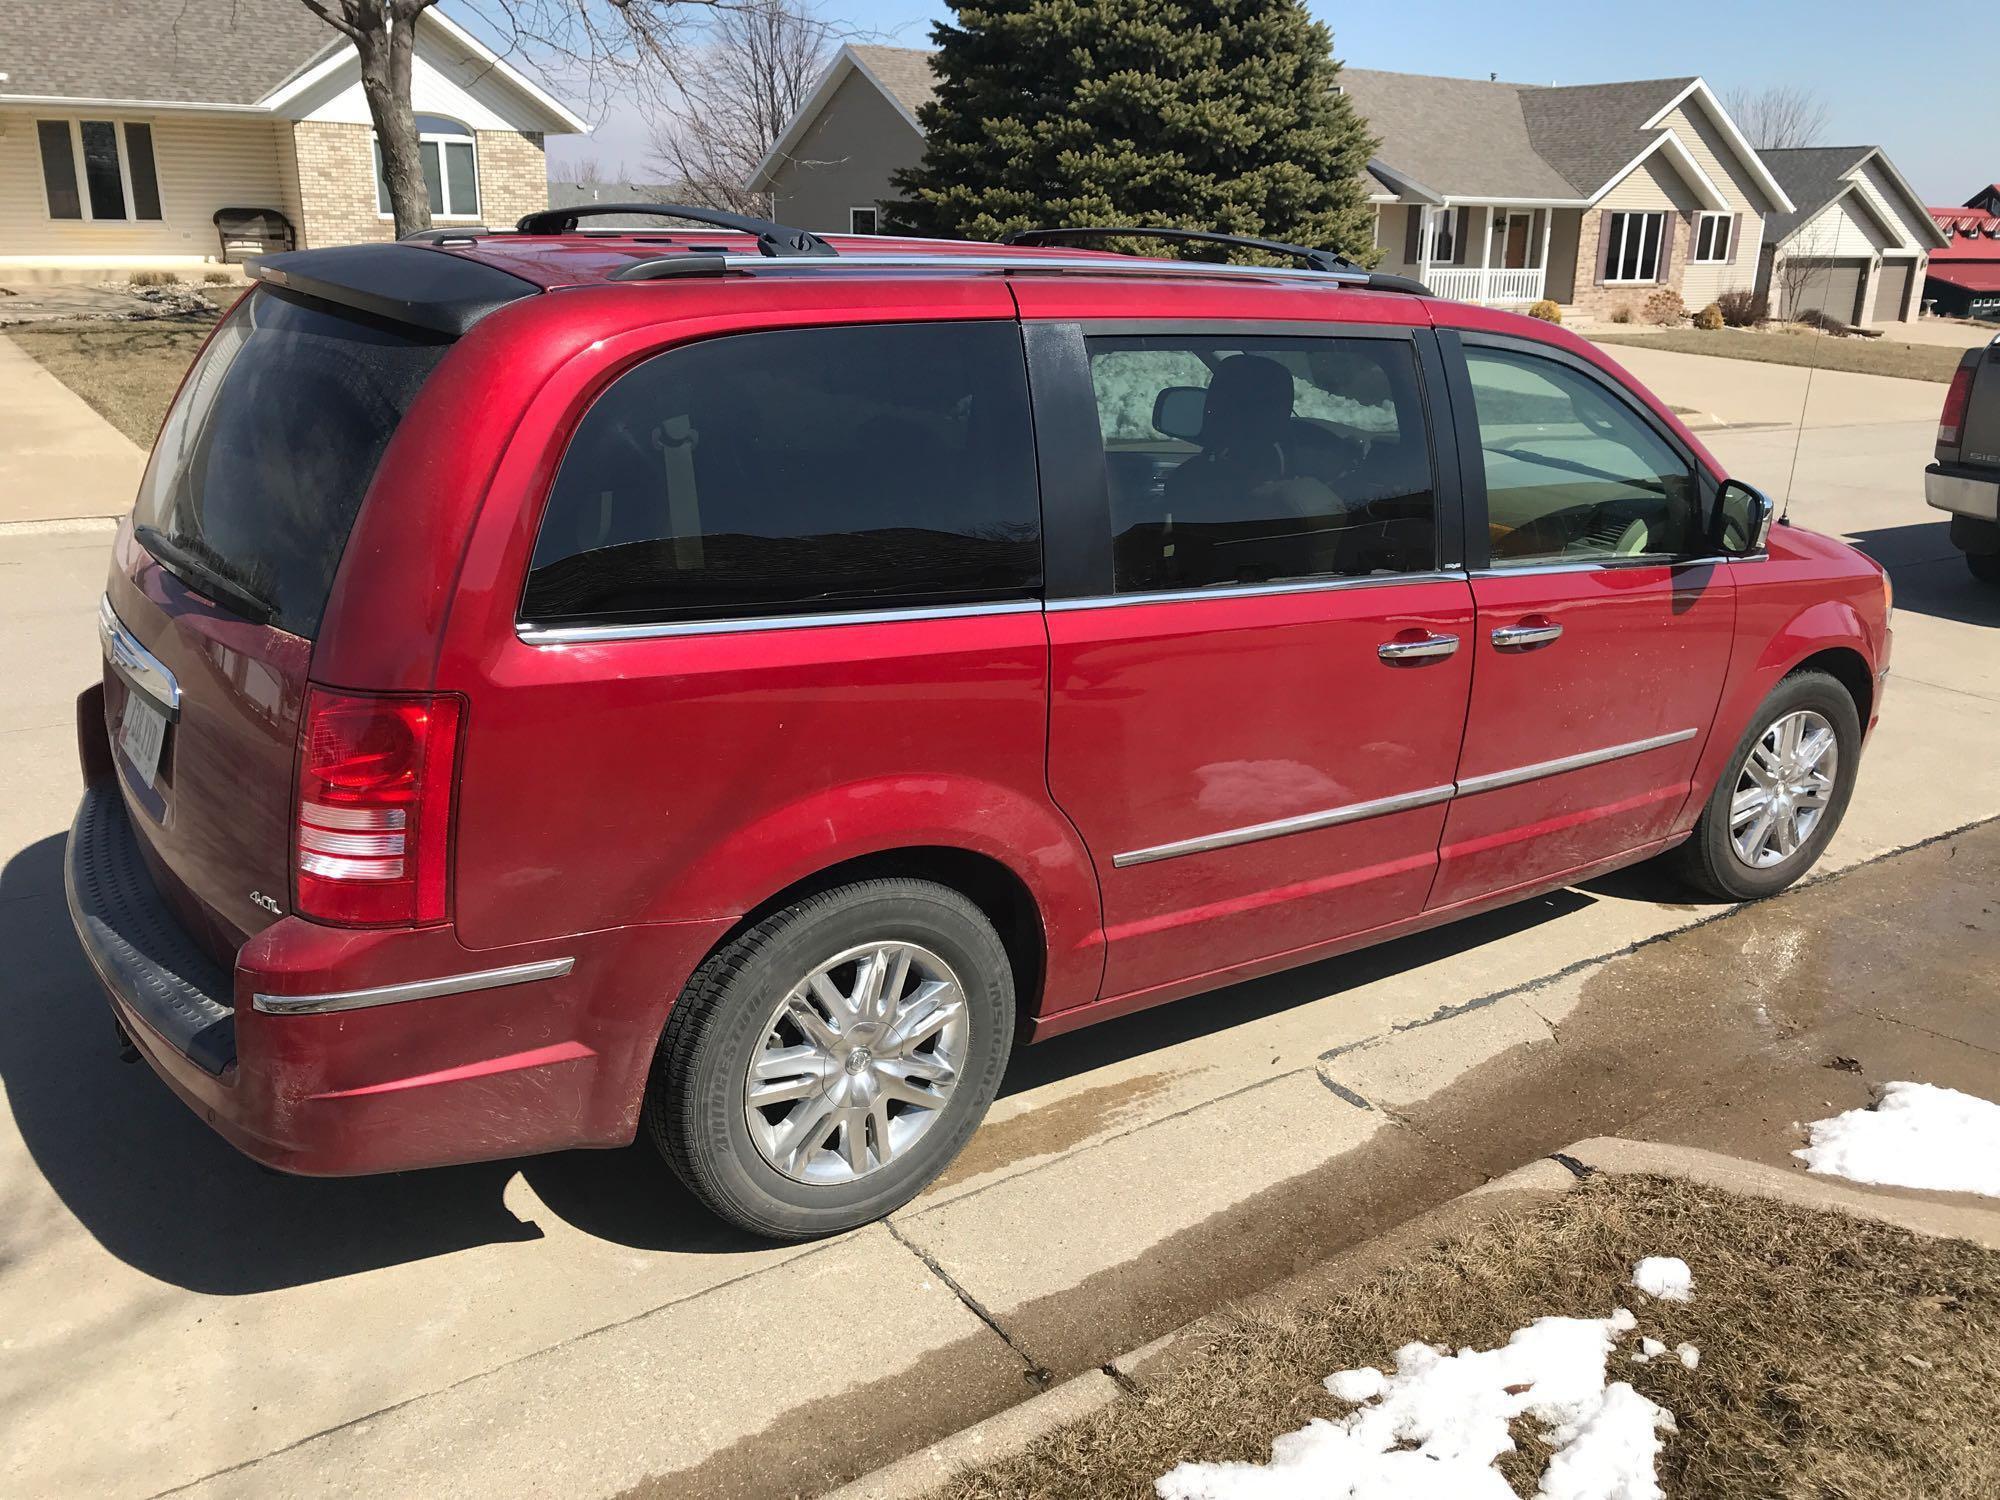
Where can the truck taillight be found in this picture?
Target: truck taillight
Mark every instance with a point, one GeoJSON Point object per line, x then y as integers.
{"type": "Point", "coordinates": [373, 827]}
{"type": "Point", "coordinates": [1956, 398]}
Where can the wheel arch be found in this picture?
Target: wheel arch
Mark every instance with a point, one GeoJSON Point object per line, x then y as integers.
{"type": "Point", "coordinates": [1848, 667]}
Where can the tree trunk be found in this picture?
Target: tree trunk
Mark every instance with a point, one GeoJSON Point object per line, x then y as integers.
{"type": "Point", "coordinates": [386, 54]}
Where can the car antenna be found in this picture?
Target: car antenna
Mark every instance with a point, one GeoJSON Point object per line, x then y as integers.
{"type": "Point", "coordinates": [1795, 288]}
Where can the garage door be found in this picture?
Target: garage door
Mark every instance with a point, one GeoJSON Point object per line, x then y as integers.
{"type": "Point", "coordinates": [1892, 283]}
{"type": "Point", "coordinates": [1834, 289]}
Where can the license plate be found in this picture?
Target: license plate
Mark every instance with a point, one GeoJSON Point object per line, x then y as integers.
{"type": "Point", "coordinates": [142, 732]}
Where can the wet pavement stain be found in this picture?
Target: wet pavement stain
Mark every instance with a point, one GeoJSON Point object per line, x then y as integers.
{"type": "Point", "coordinates": [1053, 1128]}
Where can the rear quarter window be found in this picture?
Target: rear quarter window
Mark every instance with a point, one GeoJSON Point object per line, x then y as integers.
{"type": "Point", "coordinates": [260, 468]}
{"type": "Point", "coordinates": [797, 471]}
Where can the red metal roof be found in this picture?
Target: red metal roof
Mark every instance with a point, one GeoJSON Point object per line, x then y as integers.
{"type": "Point", "coordinates": [1974, 236]}
{"type": "Point", "coordinates": [1975, 276]}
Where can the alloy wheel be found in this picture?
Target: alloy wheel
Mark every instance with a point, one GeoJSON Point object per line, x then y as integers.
{"type": "Point", "coordinates": [857, 1062]}
{"type": "Point", "coordinates": [1783, 788]}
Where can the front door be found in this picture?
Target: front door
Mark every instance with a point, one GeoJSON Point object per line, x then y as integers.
{"type": "Point", "coordinates": [1602, 633]}
{"type": "Point", "coordinates": [1255, 709]}
{"type": "Point", "coordinates": [1516, 255]}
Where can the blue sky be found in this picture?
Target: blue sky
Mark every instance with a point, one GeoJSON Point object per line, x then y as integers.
{"type": "Point", "coordinates": [1933, 107]}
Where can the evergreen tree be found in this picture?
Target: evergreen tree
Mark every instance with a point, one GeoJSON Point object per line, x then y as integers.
{"type": "Point", "coordinates": [1196, 114]}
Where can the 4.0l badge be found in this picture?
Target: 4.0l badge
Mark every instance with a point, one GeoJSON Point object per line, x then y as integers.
{"type": "Point", "coordinates": [269, 903]}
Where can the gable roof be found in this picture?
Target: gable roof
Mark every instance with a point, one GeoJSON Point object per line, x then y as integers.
{"type": "Point", "coordinates": [1455, 136]}
{"type": "Point", "coordinates": [248, 55]}
{"type": "Point", "coordinates": [1815, 176]}
{"type": "Point", "coordinates": [1593, 132]}
{"type": "Point", "coordinates": [165, 50]}
{"type": "Point", "coordinates": [902, 75]}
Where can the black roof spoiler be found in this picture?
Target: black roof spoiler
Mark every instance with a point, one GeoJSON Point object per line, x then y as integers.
{"type": "Point", "coordinates": [405, 282]}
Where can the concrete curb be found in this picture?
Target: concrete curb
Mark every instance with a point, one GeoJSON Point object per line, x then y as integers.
{"type": "Point", "coordinates": [1009, 1432]}
{"type": "Point", "coordinates": [85, 524]}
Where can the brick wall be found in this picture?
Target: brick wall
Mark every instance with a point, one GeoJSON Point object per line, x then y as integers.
{"type": "Point", "coordinates": [513, 176]}
{"type": "Point", "coordinates": [336, 177]}
{"type": "Point", "coordinates": [1599, 302]}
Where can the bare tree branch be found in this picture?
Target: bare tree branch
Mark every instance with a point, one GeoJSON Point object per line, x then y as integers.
{"type": "Point", "coordinates": [1778, 117]}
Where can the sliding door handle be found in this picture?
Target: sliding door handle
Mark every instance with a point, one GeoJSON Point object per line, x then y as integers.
{"type": "Point", "coordinates": [1513, 637]}
{"type": "Point", "coordinates": [1423, 648]}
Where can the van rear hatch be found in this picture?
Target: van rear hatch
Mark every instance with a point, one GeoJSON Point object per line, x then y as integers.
{"type": "Point", "coordinates": [217, 590]}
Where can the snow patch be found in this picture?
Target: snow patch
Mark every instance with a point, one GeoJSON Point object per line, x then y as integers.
{"type": "Point", "coordinates": [1665, 1277]}
{"type": "Point", "coordinates": [1917, 1136]}
{"type": "Point", "coordinates": [1432, 1429]}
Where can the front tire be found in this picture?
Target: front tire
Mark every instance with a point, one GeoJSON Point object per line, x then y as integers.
{"type": "Point", "coordinates": [1985, 566]}
{"type": "Point", "coordinates": [827, 1063]}
{"type": "Point", "coordinates": [1786, 790]}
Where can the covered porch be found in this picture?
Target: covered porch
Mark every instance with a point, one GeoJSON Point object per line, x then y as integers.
{"type": "Point", "coordinates": [1497, 254]}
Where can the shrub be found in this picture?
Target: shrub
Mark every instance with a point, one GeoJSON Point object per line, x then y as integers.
{"type": "Point", "coordinates": [1743, 309]}
{"type": "Point", "coordinates": [1622, 313]}
{"type": "Point", "coordinates": [218, 278]}
{"type": "Point", "coordinates": [1812, 317]}
{"type": "Point", "coordinates": [1547, 311]}
{"type": "Point", "coordinates": [1665, 306]}
{"type": "Point", "coordinates": [155, 278]}
{"type": "Point", "coordinates": [1710, 318]}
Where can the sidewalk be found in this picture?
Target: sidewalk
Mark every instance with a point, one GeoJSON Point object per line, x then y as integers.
{"type": "Point", "coordinates": [59, 460]}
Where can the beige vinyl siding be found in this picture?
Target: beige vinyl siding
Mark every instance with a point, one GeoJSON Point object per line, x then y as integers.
{"type": "Point", "coordinates": [844, 158]}
{"type": "Point", "coordinates": [1713, 153]}
{"type": "Point", "coordinates": [1392, 238]}
{"type": "Point", "coordinates": [1843, 228]}
{"type": "Point", "coordinates": [203, 162]}
{"type": "Point", "coordinates": [1886, 201]}
{"type": "Point", "coordinates": [1654, 184]}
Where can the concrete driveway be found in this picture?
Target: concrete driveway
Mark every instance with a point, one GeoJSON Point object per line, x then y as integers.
{"type": "Point", "coordinates": [172, 1317]}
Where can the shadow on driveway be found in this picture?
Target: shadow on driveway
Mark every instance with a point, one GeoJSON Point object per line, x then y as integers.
{"type": "Point", "coordinates": [1929, 573]}
{"type": "Point", "coordinates": [162, 1192]}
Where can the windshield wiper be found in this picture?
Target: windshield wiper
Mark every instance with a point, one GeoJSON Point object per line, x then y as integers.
{"type": "Point", "coordinates": [204, 575]}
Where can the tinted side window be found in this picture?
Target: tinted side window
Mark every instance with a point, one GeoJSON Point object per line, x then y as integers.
{"type": "Point", "coordinates": [804, 470]}
{"type": "Point", "coordinates": [1247, 459]}
{"type": "Point", "coordinates": [1572, 473]}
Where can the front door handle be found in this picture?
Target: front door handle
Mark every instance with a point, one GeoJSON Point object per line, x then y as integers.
{"type": "Point", "coordinates": [1423, 648]}
{"type": "Point", "coordinates": [1513, 637]}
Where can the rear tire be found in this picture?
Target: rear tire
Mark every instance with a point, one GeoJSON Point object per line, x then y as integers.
{"type": "Point", "coordinates": [1714, 859]}
{"type": "Point", "coordinates": [1985, 566]}
{"type": "Point", "coordinates": [803, 1001]}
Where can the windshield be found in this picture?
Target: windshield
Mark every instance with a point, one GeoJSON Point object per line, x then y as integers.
{"type": "Point", "coordinates": [262, 464]}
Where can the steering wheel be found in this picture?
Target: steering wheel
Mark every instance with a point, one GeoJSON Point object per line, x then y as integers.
{"type": "Point", "coordinates": [1634, 540]}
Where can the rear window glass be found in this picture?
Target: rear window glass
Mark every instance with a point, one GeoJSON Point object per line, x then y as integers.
{"type": "Point", "coordinates": [797, 471]}
{"type": "Point", "coordinates": [261, 466]}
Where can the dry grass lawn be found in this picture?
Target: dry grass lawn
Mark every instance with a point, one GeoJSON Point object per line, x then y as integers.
{"type": "Point", "coordinates": [127, 371]}
{"type": "Point", "coordinates": [1839, 1358]}
{"type": "Point", "coordinates": [1782, 346]}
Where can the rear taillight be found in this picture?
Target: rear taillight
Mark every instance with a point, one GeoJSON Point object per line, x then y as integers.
{"type": "Point", "coordinates": [1956, 398]}
{"type": "Point", "coordinates": [373, 830]}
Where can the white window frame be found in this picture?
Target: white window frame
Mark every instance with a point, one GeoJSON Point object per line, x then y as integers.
{"type": "Point", "coordinates": [1440, 229]}
{"type": "Point", "coordinates": [1616, 225]}
{"type": "Point", "coordinates": [117, 124]}
{"type": "Point", "coordinates": [1728, 234]}
{"type": "Point", "coordinates": [872, 211]}
{"type": "Point", "coordinates": [439, 139]}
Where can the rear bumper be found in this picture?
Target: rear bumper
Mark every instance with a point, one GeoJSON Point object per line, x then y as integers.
{"type": "Point", "coordinates": [1962, 494]}
{"type": "Point", "coordinates": [335, 1052]}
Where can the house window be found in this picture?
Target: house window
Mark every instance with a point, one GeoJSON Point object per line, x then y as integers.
{"type": "Point", "coordinates": [451, 174]}
{"type": "Point", "coordinates": [1711, 236]}
{"type": "Point", "coordinates": [1442, 226]}
{"type": "Point", "coordinates": [864, 221]}
{"type": "Point", "coordinates": [1632, 246]}
{"type": "Point", "coordinates": [100, 170]}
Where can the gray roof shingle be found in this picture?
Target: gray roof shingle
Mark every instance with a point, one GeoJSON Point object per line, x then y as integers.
{"type": "Point", "coordinates": [182, 51]}
{"type": "Point", "coordinates": [904, 71]}
{"type": "Point", "coordinates": [1811, 176]}
{"type": "Point", "coordinates": [1588, 131]}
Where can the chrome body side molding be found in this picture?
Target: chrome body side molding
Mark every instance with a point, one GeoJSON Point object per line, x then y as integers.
{"type": "Point", "coordinates": [1494, 780]}
{"type": "Point", "coordinates": [420, 989]}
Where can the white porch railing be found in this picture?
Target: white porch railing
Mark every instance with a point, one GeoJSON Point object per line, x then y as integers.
{"type": "Point", "coordinates": [1492, 284]}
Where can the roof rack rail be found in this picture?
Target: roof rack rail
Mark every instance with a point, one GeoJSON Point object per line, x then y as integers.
{"type": "Point", "coordinates": [458, 234]}
{"type": "Point", "coordinates": [1316, 260]}
{"type": "Point", "coordinates": [773, 239]}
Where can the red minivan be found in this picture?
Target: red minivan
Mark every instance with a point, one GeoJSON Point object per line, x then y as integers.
{"type": "Point", "coordinates": [729, 685]}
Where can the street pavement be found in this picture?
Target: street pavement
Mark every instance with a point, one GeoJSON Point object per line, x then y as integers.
{"type": "Point", "coordinates": [171, 1317]}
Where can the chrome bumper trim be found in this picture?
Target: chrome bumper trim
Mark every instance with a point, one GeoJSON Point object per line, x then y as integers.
{"type": "Point", "coordinates": [420, 989]}
{"type": "Point", "coordinates": [141, 669]}
{"type": "Point", "coordinates": [1978, 498]}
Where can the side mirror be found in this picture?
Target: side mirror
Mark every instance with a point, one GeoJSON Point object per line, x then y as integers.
{"type": "Point", "coordinates": [1177, 412]}
{"type": "Point", "coordinates": [1742, 519]}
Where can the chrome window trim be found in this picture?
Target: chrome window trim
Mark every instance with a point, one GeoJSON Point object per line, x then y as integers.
{"type": "Point", "coordinates": [142, 670]}
{"type": "Point", "coordinates": [1354, 812]}
{"type": "Point", "coordinates": [421, 989]}
{"type": "Point", "coordinates": [1254, 590]}
{"type": "Point", "coordinates": [583, 635]}
{"type": "Point", "coordinates": [1604, 565]}
{"type": "Point", "coordinates": [1494, 780]}
{"type": "Point", "coordinates": [1306, 822]}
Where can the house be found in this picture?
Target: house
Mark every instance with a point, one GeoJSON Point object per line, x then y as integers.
{"type": "Point", "coordinates": [1594, 196]}
{"type": "Point", "coordinates": [125, 125]}
{"type": "Point", "coordinates": [1964, 280]}
{"type": "Point", "coordinates": [831, 169]}
{"type": "Point", "coordinates": [1856, 244]}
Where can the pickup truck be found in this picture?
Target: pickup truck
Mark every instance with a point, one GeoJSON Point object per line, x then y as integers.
{"type": "Point", "coordinates": [1965, 480]}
